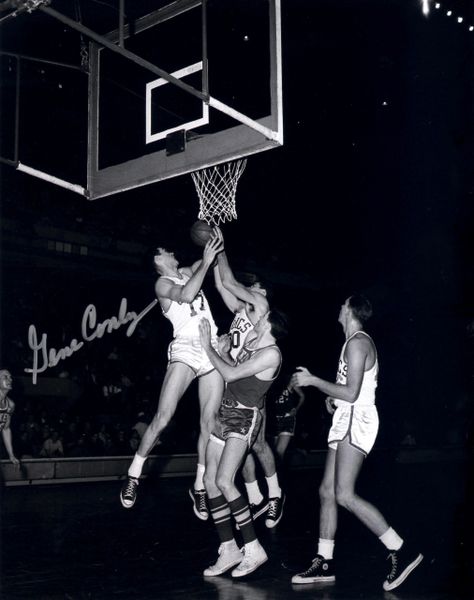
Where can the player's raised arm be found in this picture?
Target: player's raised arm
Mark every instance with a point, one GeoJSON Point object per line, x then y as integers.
{"type": "Point", "coordinates": [233, 303]}
{"type": "Point", "coordinates": [186, 293]}
{"type": "Point", "coordinates": [231, 284]}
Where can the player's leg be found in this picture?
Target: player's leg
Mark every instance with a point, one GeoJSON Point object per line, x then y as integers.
{"type": "Point", "coordinates": [276, 498]}
{"type": "Point", "coordinates": [258, 503]}
{"type": "Point", "coordinates": [281, 444]}
{"type": "Point", "coordinates": [177, 379]}
{"type": "Point", "coordinates": [404, 559]}
{"type": "Point", "coordinates": [232, 456]}
{"type": "Point", "coordinates": [348, 464]}
{"type": "Point", "coordinates": [229, 554]}
{"type": "Point", "coordinates": [211, 388]}
{"type": "Point", "coordinates": [322, 567]}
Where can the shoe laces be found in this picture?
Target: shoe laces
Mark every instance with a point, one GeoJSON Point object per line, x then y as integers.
{"type": "Point", "coordinates": [314, 566]}
{"type": "Point", "coordinates": [273, 507]}
{"type": "Point", "coordinates": [394, 557]}
{"type": "Point", "coordinates": [130, 487]}
{"type": "Point", "coordinates": [201, 501]}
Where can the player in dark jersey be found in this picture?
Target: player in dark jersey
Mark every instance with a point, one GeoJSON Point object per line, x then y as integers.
{"type": "Point", "coordinates": [285, 408]}
{"type": "Point", "coordinates": [249, 303]}
{"type": "Point", "coordinates": [237, 425]}
{"type": "Point", "coordinates": [7, 408]}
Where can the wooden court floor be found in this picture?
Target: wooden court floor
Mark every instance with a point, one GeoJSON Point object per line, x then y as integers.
{"type": "Point", "coordinates": [75, 541]}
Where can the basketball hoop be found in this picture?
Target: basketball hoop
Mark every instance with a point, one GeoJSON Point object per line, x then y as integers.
{"type": "Point", "coordinates": [216, 187]}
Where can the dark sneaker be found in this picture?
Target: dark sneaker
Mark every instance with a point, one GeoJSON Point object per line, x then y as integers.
{"type": "Point", "coordinates": [199, 503]}
{"type": "Point", "coordinates": [321, 570]}
{"type": "Point", "coordinates": [275, 511]}
{"type": "Point", "coordinates": [404, 561]}
{"type": "Point", "coordinates": [128, 493]}
{"type": "Point", "coordinates": [257, 510]}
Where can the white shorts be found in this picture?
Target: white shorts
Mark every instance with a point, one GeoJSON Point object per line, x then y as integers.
{"type": "Point", "coordinates": [188, 350]}
{"type": "Point", "coordinates": [359, 423]}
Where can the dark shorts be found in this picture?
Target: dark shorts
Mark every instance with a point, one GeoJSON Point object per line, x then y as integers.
{"type": "Point", "coordinates": [237, 421]}
{"type": "Point", "coordinates": [285, 425]}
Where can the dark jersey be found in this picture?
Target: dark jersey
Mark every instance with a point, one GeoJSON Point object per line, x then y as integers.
{"type": "Point", "coordinates": [249, 391]}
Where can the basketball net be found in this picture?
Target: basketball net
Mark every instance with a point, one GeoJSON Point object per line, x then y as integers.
{"type": "Point", "coordinates": [216, 187]}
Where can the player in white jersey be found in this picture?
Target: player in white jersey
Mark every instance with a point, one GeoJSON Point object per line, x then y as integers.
{"type": "Point", "coordinates": [7, 407]}
{"type": "Point", "coordinates": [351, 400]}
{"type": "Point", "coordinates": [249, 304]}
{"type": "Point", "coordinates": [184, 304]}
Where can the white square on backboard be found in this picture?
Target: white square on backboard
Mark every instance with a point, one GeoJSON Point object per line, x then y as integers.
{"type": "Point", "coordinates": [203, 120]}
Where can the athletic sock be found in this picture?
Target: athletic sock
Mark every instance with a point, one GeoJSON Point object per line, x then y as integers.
{"type": "Point", "coordinates": [198, 482]}
{"type": "Point", "coordinates": [274, 490]}
{"type": "Point", "coordinates": [241, 513]}
{"type": "Point", "coordinates": [326, 548]}
{"type": "Point", "coordinates": [221, 515]}
{"type": "Point", "coordinates": [391, 540]}
{"type": "Point", "coordinates": [135, 469]}
{"type": "Point", "coordinates": [254, 494]}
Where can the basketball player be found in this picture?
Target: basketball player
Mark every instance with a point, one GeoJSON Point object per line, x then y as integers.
{"type": "Point", "coordinates": [248, 304]}
{"type": "Point", "coordinates": [351, 437]}
{"type": "Point", "coordinates": [184, 304]}
{"type": "Point", "coordinates": [7, 408]}
{"type": "Point", "coordinates": [237, 424]}
{"type": "Point", "coordinates": [286, 406]}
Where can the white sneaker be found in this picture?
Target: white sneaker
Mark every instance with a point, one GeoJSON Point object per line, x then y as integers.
{"type": "Point", "coordinates": [229, 556]}
{"type": "Point", "coordinates": [254, 556]}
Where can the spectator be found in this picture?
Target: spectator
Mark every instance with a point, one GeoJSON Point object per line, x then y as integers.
{"type": "Point", "coordinates": [52, 446]}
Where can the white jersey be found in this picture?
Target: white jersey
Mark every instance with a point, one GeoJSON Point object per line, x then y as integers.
{"type": "Point", "coordinates": [185, 316]}
{"type": "Point", "coordinates": [239, 329]}
{"type": "Point", "coordinates": [366, 395]}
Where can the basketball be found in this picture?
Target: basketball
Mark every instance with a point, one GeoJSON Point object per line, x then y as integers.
{"type": "Point", "coordinates": [200, 233]}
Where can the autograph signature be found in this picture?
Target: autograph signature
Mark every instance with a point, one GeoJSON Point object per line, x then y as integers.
{"type": "Point", "coordinates": [90, 330]}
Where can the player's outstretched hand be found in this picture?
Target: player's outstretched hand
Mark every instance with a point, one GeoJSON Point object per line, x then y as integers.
{"type": "Point", "coordinates": [205, 333]}
{"type": "Point", "coordinates": [15, 462]}
{"type": "Point", "coordinates": [212, 249]}
{"type": "Point", "coordinates": [302, 377]}
{"type": "Point", "coordinates": [218, 233]}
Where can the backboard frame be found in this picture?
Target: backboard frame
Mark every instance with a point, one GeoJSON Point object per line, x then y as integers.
{"type": "Point", "coordinates": [248, 136]}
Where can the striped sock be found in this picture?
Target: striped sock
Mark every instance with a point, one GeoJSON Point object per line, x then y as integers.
{"type": "Point", "coordinates": [240, 510]}
{"type": "Point", "coordinates": [221, 515]}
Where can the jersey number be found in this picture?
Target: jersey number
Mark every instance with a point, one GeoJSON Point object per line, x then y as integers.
{"type": "Point", "coordinates": [235, 339]}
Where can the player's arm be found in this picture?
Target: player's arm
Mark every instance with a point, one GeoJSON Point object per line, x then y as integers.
{"type": "Point", "coordinates": [266, 360]}
{"type": "Point", "coordinates": [7, 440]}
{"type": "Point", "coordinates": [166, 289]}
{"type": "Point", "coordinates": [240, 291]}
{"type": "Point", "coordinates": [230, 283]}
{"type": "Point", "coordinates": [230, 300]}
{"type": "Point", "coordinates": [301, 397]}
{"type": "Point", "coordinates": [356, 354]}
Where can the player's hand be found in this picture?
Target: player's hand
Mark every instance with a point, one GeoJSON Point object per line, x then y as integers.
{"type": "Point", "coordinates": [14, 460]}
{"type": "Point", "coordinates": [218, 233]}
{"type": "Point", "coordinates": [330, 405]}
{"type": "Point", "coordinates": [224, 344]}
{"type": "Point", "coordinates": [212, 249]}
{"type": "Point", "coordinates": [205, 333]}
{"type": "Point", "coordinates": [302, 377]}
